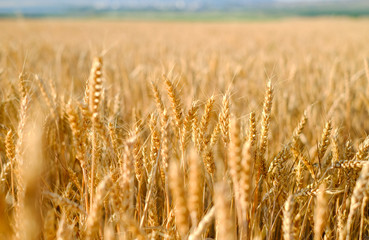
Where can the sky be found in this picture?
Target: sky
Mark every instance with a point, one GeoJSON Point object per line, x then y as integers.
{"type": "Point", "coordinates": [33, 3]}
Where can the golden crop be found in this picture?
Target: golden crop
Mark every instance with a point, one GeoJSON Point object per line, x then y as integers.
{"type": "Point", "coordinates": [175, 130]}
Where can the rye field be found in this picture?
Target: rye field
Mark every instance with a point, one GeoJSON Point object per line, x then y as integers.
{"type": "Point", "coordinates": [184, 130]}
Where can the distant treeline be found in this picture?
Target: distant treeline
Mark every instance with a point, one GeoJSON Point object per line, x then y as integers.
{"type": "Point", "coordinates": [269, 11]}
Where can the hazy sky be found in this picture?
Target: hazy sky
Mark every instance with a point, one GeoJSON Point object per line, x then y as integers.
{"type": "Point", "coordinates": [28, 3]}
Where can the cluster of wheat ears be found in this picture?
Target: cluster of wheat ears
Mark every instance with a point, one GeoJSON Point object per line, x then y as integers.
{"type": "Point", "coordinates": [91, 167]}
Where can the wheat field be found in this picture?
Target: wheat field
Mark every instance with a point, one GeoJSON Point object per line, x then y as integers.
{"type": "Point", "coordinates": [177, 130]}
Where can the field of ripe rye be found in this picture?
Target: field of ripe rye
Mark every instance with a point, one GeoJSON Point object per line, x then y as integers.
{"type": "Point", "coordinates": [176, 130]}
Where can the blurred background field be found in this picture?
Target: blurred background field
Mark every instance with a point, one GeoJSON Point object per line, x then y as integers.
{"type": "Point", "coordinates": [299, 54]}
